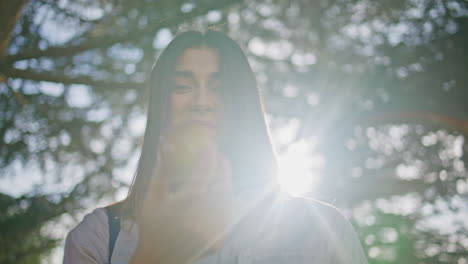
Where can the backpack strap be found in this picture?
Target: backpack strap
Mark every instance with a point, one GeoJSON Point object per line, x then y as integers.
{"type": "Point", "coordinates": [114, 229]}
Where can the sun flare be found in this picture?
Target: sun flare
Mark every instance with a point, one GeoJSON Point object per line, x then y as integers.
{"type": "Point", "coordinates": [299, 168]}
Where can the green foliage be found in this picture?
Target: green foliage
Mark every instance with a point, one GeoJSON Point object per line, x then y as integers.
{"type": "Point", "coordinates": [21, 239]}
{"type": "Point", "coordinates": [379, 85]}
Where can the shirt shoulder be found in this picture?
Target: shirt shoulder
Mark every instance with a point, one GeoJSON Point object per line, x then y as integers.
{"type": "Point", "coordinates": [342, 241]}
{"type": "Point", "coordinates": [282, 219]}
{"type": "Point", "coordinates": [88, 241]}
{"type": "Point", "coordinates": [314, 208]}
{"type": "Point", "coordinates": [312, 220]}
{"type": "Point", "coordinates": [293, 228]}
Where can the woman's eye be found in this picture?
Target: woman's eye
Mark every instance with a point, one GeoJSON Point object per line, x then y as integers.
{"type": "Point", "coordinates": [215, 86]}
{"type": "Point", "coordinates": [181, 88]}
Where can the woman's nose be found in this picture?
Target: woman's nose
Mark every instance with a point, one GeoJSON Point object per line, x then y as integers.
{"type": "Point", "coordinates": [203, 99]}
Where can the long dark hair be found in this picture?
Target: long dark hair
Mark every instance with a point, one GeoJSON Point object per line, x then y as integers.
{"type": "Point", "coordinates": [245, 139]}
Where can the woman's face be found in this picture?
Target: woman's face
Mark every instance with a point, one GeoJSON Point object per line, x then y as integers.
{"type": "Point", "coordinates": [195, 97]}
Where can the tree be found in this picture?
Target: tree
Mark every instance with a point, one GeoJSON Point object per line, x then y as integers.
{"type": "Point", "coordinates": [380, 87]}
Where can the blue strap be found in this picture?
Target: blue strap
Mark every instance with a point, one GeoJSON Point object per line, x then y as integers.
{"type": "Point", "coordinates": [114, 229]}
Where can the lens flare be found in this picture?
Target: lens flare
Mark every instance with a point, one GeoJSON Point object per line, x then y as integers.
{"type": "Point", "coordinates": [299, 168]}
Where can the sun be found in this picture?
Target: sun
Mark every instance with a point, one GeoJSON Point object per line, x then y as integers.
{"type": "Point", "coordinates": [299, 169]}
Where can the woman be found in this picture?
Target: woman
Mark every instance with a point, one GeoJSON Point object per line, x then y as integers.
{"type": "Point", "coordinates": [205, 188]}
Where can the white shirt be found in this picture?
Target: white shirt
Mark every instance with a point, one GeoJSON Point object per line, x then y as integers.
{"type": "Point", "coordinates": [290, 230]}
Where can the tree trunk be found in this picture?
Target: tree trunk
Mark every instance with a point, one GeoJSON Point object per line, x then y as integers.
{"type": "Point", "coordinates": [9, 14]}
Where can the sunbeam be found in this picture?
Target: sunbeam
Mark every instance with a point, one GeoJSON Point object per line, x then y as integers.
{"type": "Point", "coordinates": [299, 168]}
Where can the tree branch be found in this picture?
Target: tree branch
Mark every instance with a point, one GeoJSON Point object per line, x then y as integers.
{"type": "Point", "coordinates": [371, 188]}
{"type": "Point", "coordinates": [107, 40]}
{"type": "Point", "coordinates": [51, 77]}
{"type": "Point", "coordinates": [430, 118]}
{"type": "Point", "coordinates": [9, 14]}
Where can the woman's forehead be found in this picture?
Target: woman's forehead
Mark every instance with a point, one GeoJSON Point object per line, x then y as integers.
{"type": "Point", "coordinates": [201, 60]}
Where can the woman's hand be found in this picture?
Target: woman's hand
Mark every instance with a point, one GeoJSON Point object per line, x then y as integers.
{"type": "Point", "coordinates": [186, 216]}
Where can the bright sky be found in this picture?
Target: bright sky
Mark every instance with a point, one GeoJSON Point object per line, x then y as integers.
{"type": "Point", "coordinates": [301, 164]}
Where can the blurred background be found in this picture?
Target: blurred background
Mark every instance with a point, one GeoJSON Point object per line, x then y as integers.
{"type": "Point", "coordinates": [366, 100]}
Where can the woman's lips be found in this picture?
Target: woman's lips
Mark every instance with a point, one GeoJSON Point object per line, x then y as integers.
{"type": "Point", "coordinates": [203, 123]}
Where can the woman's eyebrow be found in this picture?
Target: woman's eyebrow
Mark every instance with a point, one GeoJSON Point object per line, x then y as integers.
{"type": "Point", "coordinates": [216, 75]}
{"type": "Point", "coordinates": [187, 74]}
